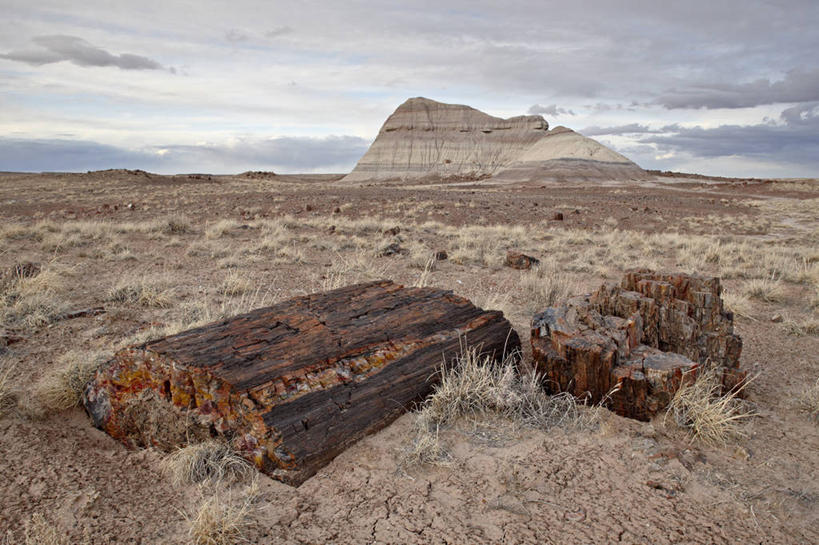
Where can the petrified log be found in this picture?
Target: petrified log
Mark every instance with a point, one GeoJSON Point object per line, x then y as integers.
{"type": "Point", "coordinates": [631, 346]}
{"type": "Point", "coordinates": [293, 385]}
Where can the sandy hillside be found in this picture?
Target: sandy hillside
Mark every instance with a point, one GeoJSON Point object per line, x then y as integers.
{"type": "Point", "coordinates": [160, 254]}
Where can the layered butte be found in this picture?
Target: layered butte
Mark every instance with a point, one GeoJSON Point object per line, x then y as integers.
{"type": "Point", "coordinates": [424, 138]}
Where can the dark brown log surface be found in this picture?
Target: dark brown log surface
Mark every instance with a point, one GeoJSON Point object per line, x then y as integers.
{"type": "Point", "coordinates": [292, 385]}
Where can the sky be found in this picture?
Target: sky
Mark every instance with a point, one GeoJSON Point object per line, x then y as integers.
{"type": "Point", "coordinates": [720, 87]}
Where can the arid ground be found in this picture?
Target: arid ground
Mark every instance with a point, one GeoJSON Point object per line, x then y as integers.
{"type": "Point", "coordinates": [162, 253]}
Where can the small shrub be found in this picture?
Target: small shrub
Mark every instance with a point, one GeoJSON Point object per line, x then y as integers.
{"type": "Point", "coordinates": [738, 303]}
{"type": "Point", "coordinates": [140, 291]}
{"type": "Point", "coordinates": [176, 225]}
{"type": "Point", "coordinates": [221, 228]}
{"type": "Point", "coordinates": [711, 416]}
{"type": "Point", "coordinates": [546, 286]}
{"type": "Point", "coordinates": [210, 460]}
{"type": "Point", "coordinates": [763, 289]}
{"type": "Point", "coordinates": [235, 283]}
{"type": "Point", "coordinates": [31, 302]}
{"type": "Point", "coordinates": [223, 519]}
{"type": "Point", "coordinates": [62, 389]}
{"type": "Point", "coordinates": [475, 386]}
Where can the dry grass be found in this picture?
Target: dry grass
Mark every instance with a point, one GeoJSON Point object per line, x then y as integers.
{"type": "Point", "coordinates": [62, 388]}
{"type": "Point", "coordinates": [711, 416]}
{"type": "Point", "coordinates": [7, 397]}
{"type": "Point", "coordinates": [221, 228]}
{"type": "Point", "coordinates": [142, 291]}
{"type": "Point", "coordinates": [360, 266]}
{"type": "Point", "coordinates": [236, 283]}
{"type": "Point", "coordinates": [546, 286]}
{"type": "Point", "coordinates": [32, 302]}
{"type": "Point", "coordinates": [39, 531]}
{"type": "Point", "coordinates": [738, 303]}
{"type": "Point", "coordinates": [796, 328]}
{"type": "Point", "coordinates": [808, 400]}
{"type": "Point", "coordinates": [475, 386]}
{"type": "Point", "coordinates": [207, 461]}
{"type": "Point", "coordinates": [223, 517]}
{"type": "Point", "coordinates": [763, 289]}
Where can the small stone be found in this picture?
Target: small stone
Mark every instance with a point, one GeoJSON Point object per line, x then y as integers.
{"type": "Point", "coordinates": [336, 210]}
{"type": "Point", "coordinates": [520, 261]}
{"type": "Point", "coordinates": [391, 232]}
{"type": "Point", "coordinates": [392, 249]}
{"type": "Point", "coordinates": [777, 318]}
{"type": "Point", "coordinates": [308, 208]}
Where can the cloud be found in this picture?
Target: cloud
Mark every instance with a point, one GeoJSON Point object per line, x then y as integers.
{"type": "Point", "coordinates": [236, 35]}
{"type": "Point", "coordinates": [278, 31]}
{"type": "Point", "coordinates": [794, 139]}
{"type": "Point", "coordinates": [797, 86]}
{"type": "Point", "coordinates": [59, 48]}
{"type": "Point", "coordinates": [631, 128]}
{"type": "Point", "coordinates": [551, 109]}
{"type": "Point", "coordinates": [281, 154]}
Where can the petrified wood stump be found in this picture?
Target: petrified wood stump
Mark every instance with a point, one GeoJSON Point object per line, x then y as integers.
{"type": "Point", "coordinates": [293, 385]}
{"type": "Point", "coordinates": [632, 345]}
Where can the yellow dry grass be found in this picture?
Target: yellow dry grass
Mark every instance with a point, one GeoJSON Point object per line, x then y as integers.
{"type": "Point", "coordinates": [62, 388]}
{"type": "Point", "coordinates": [206, 461]}
{"type": "Point", "coordinates": [710, 416]}
{"type": "Point", "coordinates": [224, 517]}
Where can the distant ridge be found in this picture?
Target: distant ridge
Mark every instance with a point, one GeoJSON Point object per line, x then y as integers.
{"type": "Point", "coordinates": [424, 138]}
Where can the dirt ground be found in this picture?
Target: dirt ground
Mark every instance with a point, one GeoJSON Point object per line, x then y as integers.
{"type": "Point", "coordinates": [160, 253]}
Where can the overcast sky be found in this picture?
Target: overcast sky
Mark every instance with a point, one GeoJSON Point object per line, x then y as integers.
{"type": "Point", "coordinates": [714, 86]}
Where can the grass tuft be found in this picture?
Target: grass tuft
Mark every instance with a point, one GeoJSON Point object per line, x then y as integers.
{"type": "Point", "coordinates": [223, 519]}
{"type": "Point", "coordinates": [702, 408]}
{"type": "Point", "coordinates": [63, 388]}
{"type": "Point", "coordinates": [141, 291]}
{"type": "Point", "coordinates": [546, 286]}
{"type": "Point", "coordinates": [475, 386]}
{"type": "Point", "coordinates": [206, 461]}
{"type": "Point", "coordinates": [764, 289]}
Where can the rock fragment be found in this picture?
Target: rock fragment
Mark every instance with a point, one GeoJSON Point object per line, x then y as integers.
{"type": "Point", "coordinates": [631, 346]}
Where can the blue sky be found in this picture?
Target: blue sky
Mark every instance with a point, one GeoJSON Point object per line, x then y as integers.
{"type": "Point", "coordinates": [727, 88]}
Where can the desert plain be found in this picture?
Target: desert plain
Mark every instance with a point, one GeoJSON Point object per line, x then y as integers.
{"type": "Point", "coordinates": [147, 255]}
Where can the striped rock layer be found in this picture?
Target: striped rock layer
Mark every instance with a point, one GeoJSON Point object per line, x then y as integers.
{"type": "Point", "coordinates": [428, 139]}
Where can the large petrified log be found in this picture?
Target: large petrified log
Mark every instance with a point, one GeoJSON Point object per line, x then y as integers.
{"type": "Point", "coordinates": [631, 346]}
{"type": "Point", "coordinates": [292, 385]}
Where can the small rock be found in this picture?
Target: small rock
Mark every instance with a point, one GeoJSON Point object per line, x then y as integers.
{"type": "Point", "coordinates": [776, 318]}
{"type": "Point", "coordinates": [336, 210]}
{"type": "Point", "coordinates": [308, 208]}
{"type": "Point", "coordinates": [392, 249]}
{"type": "Point", "coordinates": [441, 255]}
{"type": "Point", "coordinates": [331, 229]}
{"type": "Point", "coordinates": [517, 260]}
{"type": "Point", "coordinates": [391, 232]}
{"type": "Point", "coordinates": [558, 216]}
